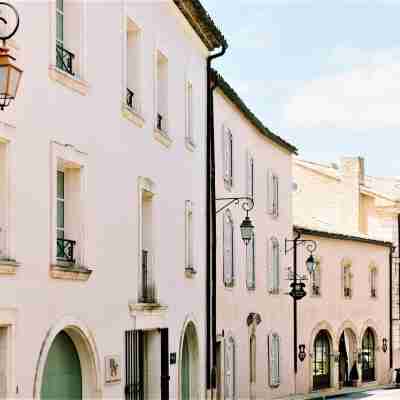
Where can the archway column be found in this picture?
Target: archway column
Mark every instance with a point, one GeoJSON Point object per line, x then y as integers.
{"type": "Point", "coordinates": [335, 369]}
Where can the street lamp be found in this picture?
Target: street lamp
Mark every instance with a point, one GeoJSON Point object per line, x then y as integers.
{"type": "Point", "coordinates": [10, 74]}
{"type": "Point", "coordinates": [246, 227]}
{"type": "Point", "coordinates": [297, 286]}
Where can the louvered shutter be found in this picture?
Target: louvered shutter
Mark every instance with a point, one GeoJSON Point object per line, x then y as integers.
{"type": "Point", "coordinates": [276, 360]}
{"type": "Point", "coordinates": [251, 263]}
{"type": "Point", "coordinates": [250, 177]}
{"type": "Point", "coordinates": [317, 280]}
{"type": "Point", "coordinates": [276, 196]}
{"type": "Point", "coordinates": [228, 250]}
{"type": "Point", "coordinates": [270, 279]}
{"type": "Point", "coordinates": [270, 192]}
{"type": "Point", "coordinates": [227, 152]}
{"type": "Point", "coordinates": [275, 264]}
{"type": "Point", "coordinates": [273, 350]}
{"type": "Point", "coordinates": [230, 369]}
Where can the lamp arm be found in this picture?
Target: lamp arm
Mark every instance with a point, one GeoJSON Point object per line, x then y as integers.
{"type": "Point", "coordinates": [247, 202]}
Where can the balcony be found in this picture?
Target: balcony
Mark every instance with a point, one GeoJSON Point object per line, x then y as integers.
{"type": "Point", "coordinates": [65, 250]}
{"type": "Point", "coordinates": [147, 290]}
{"type": "Point", "coordinates": [64, 59]}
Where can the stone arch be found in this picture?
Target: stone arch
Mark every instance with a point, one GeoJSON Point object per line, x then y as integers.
{"type": "Point", "coordinates": [85, 345]}
{"type": "Point", "coordinates": [347, 325]}
{"type": "Point", "coordinates": [323, 325]}
{"type": "Point", "coordinates": [190, 338]}
{"type": "Point", "coordinates": [374, 327]}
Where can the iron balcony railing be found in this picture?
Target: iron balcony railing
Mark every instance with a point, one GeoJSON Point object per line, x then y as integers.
{"type": "Point", "coordinates": [147, 294]}
{"type": "Point", "coordinates": [65, 250]}
{"type": "Point", "coordinates": [132, 101]}
{"type": "Point", "coordinates": [161, 123]}
{"type": "Point", "coordinates": [347, 292]}
{"type": "Point", "coordinates": [64, 59]}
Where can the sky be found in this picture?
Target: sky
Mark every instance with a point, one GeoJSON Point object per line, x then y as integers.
{"type": "Point", "coordinates": [322, 74]}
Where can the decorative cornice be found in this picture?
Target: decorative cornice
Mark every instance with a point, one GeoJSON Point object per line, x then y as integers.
{"type": "Point", "coordinates": [202, 23]}
{"type": "Point", "coordinates": [230, 93]}
{"type": "Point", "coordinates": [341, 236]}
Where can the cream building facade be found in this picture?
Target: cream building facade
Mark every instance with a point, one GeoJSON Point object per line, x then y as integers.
{"type": "Point", "coordinates": [102, 174]}
{"type": "Point", "coordinates": [353, 219]}
{"type": "Point", "coordinates": [253, 315]}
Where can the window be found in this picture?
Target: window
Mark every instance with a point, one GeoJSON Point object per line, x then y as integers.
{"type": "Point", "coordinates": [253, 355]}
{"type": "Point", "coordinates": [273, 360]}
{"type": "Point", "coordinates": [347, 278]}
{"type": "Point", "coordinates": [147, 285]}
{"type": "Point", "coordinates": [228, 259]}
{"type": "Point", "coordinates": [68, 200]}
{"type": "Point", "coordinates": [133, 35]}
{"type": "Point", "coordinates": [373, 276]}
{"type": "Point", "coordinates": [228, 158]}
{"type": "Point", "coordinates": [162, 94]}
{"type": "Point", "coordinates": [230, 372]}
{"type": "Point", "coordinates": [274, 266]}
{"type": "Point", "coordinates": [250, 175]}
{"type": "Point", "coordinates": [4, 364]}
{"type": "Point", "coordinates": [189, 115]}
{"type": "Point", "coordinates": [251, 262]}
{"type": "Point", "coordinates": [316, 280]}
{"type": "Point", "coordinates": [189, 235]}
{"type": "Point", "coordinates": [273, 194]}
{"type": "Point", "coordinates": [69, 35]}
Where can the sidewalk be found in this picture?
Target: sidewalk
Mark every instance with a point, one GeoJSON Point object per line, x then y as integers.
{"type": "Point", "coordinates": [326, 394]}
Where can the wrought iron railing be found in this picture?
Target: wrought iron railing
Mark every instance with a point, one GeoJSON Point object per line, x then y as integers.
{"type": "Point", "coordinates": [147, 294]}
{"type": "Point", "coordinates": [65, 250]}
{"type": "Point", "coordinates": [64, 59]}
{"type": "Point", "coordinates": [132, 101]}
{"type": "Point", "coordinates": [347, 292]}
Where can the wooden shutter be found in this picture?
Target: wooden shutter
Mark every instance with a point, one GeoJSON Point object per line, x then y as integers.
{"type": "Point", "coordinates": [251, 261]}
{"type": "Point", "coordinates": [228, 249]}
{"type": "Point", "coordinates": [230, 369]}
{"type": "Point", "coordinates": [276, 196]}
{"type": "Point", "coordinates": [164, 364]}
{"type": "Point", "coordinates": [269, 266]}
{"type": "Point", "coordinates": [270, 192]}
{"type": "Point", "coordinates": [275, 263]}
{"type": "Point", "coordinates": [134, 365]}
{"type": "Point", "coordinates": [250, 177]}
{"type": "Point", "coordinates": [273, 353]}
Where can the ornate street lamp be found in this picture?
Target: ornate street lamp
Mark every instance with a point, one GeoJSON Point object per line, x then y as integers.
{"type": "Point", "coordinates": [297, 286]}
{"type": "Point", "coordinates": [246, 227]}
{"type": "Point", "coordinates": [384, 345]}
{"type": "Point", "coordinates": [10, 74]}
{"type": "Point", "coordinates": [302, 352]}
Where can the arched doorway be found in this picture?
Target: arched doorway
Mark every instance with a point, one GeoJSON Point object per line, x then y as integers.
{"type": "Point", "coordinates": [347, 356]}
{"type": "Point", "coordinates": [62, 376]}
{"type": "Point", "coordinates": [189, 364]}
{"type": "Point", "coordinates": [368, 356]}
{"type": "Point", "coordinates": [322, 361]}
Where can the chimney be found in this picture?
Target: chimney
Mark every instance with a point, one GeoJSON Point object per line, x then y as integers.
{"type": "Point", "coordinates": [352, 175]}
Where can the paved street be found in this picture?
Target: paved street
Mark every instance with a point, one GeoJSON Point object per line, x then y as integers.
{"type": "Point", "coordinates": [384, 394]}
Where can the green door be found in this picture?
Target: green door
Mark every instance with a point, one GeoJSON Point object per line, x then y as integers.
{"type": "Point", "coordinates": [185, 370]}
{"type": "Point", "coordinates": [62, 378]}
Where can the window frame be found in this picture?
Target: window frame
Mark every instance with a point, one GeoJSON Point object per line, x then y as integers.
{"type": "Point", "coordinates": [274, 266]}
{"type": "Point", "coordinates": [273, 369]}
{"type": "Point", "coordinates": [273, 205]}
{"type": "Point", "coordinates": [190, 138]}
{"type": "Point", "coordinates": [227, 140]}
{"type": "Point", "coordinates": [228, 219]}
{"type": "Point", "coordinates": [230, 354]}
{"type": "Point", "coordinates": [251, 263]}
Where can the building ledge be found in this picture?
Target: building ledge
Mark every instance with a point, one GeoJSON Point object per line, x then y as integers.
{"type": "Point", "coordinates": [78, 85]}
{"type": "Point", "coordinates": [148, 316]}
{"type": "Point", "coordinates": [132, 116]}
{"type": "Point", "coordinates": [8, 267]}
{"type": "Point", "coordinates": [162, 137]}
{"type": "Point", "coordinates": [72, 272]}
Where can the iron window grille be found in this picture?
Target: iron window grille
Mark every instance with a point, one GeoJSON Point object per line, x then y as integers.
{"type": "Point", "coordinates": [65, 250]}
{"type": "Point", "coordinates": [148, 292]}
{"type": "Point", "coordinates": [64, 59]}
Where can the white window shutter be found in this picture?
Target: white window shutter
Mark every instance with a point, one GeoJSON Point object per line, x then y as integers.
{"type": "Point", "coordinates": [270, 361]}
{"type": "Point", "coordinates": [276, 264]}
{"type": "Point", "coordinates": [251, 263]}
{"type": "Point", "coordinates": [228, 249]}
{"type": "Point", "coordinates": [276, 360]}
{"type": "Point", "coordinates": [270, 192]}
{"type": "Point", "coordinates": [229, 369]}
{"type": "Point", "coordinates": [230, 150]}
{"type": "Point", "coordinates": [276, 196]}
{"type": "Point", "coordinates": [250, 175]}
{"type": "Point", "coordinates": [269, 266]}
{"type": "Point", "coordinates": [227, 155]}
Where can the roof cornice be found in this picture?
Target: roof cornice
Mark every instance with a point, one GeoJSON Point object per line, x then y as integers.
{"type": "Point", "coordinates": [202, 23]}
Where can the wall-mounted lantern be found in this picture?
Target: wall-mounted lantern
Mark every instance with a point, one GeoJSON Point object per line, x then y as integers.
{"type": "Point", "coordinates": [384, 345]}
{"type": "Point", "coordinates": [302, 352]}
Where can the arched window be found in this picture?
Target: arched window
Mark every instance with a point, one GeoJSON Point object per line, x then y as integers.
{"type": "Point", "coordinates": [273, 360]}
{"type": "Point", "coordinates": [368, 356]}
{"type": "Point", "coordinates": [230, 369]}
{"type": "Point", "coordinates": [373, 280]}
{"type": "Point", "coordinates": [251, 263]}
{"type": "Point", "coordinates": [347, 280]}
{"type": "Point", "coordinates": [316, 280]}
{"type": "Point", "coordinates": [228, 260]}
{"type": "Point", "coordinates": [321, 361]}
{"type": "Point", "coordinates": [253, 352]}
{"type": "Point", "coordinates": [274, 266]}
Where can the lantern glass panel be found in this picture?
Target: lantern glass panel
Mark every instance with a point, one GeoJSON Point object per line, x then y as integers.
{"type": "Point", "coordinates": [4, 70]}
{"type": "Point", "coordinates": [311, 264]}
{"type": "Point", "coordinates": [14, 78]}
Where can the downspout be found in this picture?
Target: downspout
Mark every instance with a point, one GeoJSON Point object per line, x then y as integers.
{"type": "Point", "coordinates": [391, 307]}
{"type": "Point", "coordinates": [211, 287]}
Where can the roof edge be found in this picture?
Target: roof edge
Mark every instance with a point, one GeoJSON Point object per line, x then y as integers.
{"type": "Point", "coordinates": [231, 94]}
{"type": "Point", "coordinates": [340, 236]}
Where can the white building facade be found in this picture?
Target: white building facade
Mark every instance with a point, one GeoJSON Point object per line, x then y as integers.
{"type": "Point", "coordinates": [103, 193]}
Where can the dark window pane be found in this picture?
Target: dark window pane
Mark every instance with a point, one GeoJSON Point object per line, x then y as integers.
{"type": "Point", "coordinates": [60, 184]}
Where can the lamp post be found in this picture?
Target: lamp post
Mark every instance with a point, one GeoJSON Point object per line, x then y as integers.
{"type": "Point", "coordinates": [10, 74]}
{"type": "Point", "coordinates": [298, 285]}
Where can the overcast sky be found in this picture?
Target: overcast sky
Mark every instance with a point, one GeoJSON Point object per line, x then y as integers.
{"type": "Point", "coordinates": [323, 74]}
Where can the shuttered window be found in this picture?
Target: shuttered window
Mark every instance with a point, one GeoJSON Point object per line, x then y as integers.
{"type": "Point", "coordinates": [60, 22]}
{"type": "Point", "coordinates": [228, 259]}
{"type": "Point", "coordinates": [251, 263]}
{"type": "Point", "coordinates": [189, 234]}
{"type": "Point", "coordinates": [230, 369]}
{"type": "Point", "coordinates": [347, 278]}
{"type": "Point", "coordinates": [228, 157]}
{"type": "Point", "coordinates": [273, 360]}
{"type": "Point", "coordinates": [189, 114]}
{"type": "Point", "coordinates": [316, 280]}
{"type": "Point", "coordinates": [273, 266]}
{"type": "Point", "coordinates": [272, 193]}
{"type": "Point", "coordinates": [373, 275]}
{"type": "Point", "coordinates": [250, 174]}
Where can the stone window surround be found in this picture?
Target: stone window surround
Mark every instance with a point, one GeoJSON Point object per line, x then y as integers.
{"type": "Point", "coordinates": [8, 319]}
{"type": "Point", "coordinates": [77, 84]}
{"type": "Point", "coordinates": [373, 268]}
{"type": "Point", "coordinates": [346, 263]}
{"type": "Point", "coordinates": [80, 271]}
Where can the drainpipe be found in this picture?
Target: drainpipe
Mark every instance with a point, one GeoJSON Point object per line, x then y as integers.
{"type": "Point", "coordinates": [211, 287]}
{"type": "Point", "coordinates": [391, 307]}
